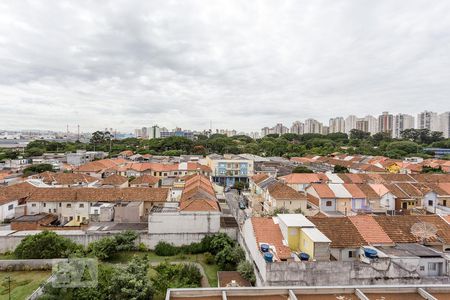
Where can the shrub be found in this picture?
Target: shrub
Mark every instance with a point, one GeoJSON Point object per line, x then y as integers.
{"type": "Point", "coordinates": [219, 242]}
{"type": "Point", "coordinates": [209, 258]}
{"type": "Point", "coordinates": [229, 257]}
{"type": "Point", "coordinates": [125, 240]}
{"type": "Point", "coordinates": [46, 244]}
{"type": "Point", "coordinates": [142, 247]}
{"type": "Point", "coordinates": [103, 248]}
{"type": "Point", "coordinates": [166, 249]}
{"type": "Point", "coordinates": [245, 268]}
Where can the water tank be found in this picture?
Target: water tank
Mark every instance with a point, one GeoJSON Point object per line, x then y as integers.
{"type": "Point", "coordinates": [303, 256]}
{"type": "Point", "coordinates": [264, 248]}
{"type": "Point", "coordinates": [268, 256]}
{"type": "Point", "coordinates": [370, 253]}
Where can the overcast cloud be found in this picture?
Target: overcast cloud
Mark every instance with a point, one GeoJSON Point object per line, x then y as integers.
{"type": "Point", "coordinates": [242, 64]}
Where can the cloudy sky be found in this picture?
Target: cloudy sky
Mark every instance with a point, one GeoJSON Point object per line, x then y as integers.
{"type": "Point", "coordinates": [241, 64]}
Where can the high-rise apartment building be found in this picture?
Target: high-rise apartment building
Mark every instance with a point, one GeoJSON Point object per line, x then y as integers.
{"type": "Point", "coordinates": [402, 122]}
{"type": "Point", "coordinates": [444, 124]}
{"type": "Point", "coordinates": [386, 122]}
{"type": "Point", "coordinates": [350, 123]}
{"type": "Point", "coordinates": [428, 120]}
{"type": "Point", "coordinates": [337, 125]}
{"type": "Point", "coordinates": [298, 127]}
{"type": "Point", "coordinates": [313, 126]}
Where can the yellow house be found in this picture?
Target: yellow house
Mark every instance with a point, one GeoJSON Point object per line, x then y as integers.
{"type": "Point", "coordinates": [302, 235]}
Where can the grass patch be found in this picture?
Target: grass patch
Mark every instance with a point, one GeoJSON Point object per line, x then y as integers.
{"type": "Point", "coordinates": [210, 270]}
{"type": "Point", "coordinates": [7, 256]}
{"type": "Point", "coordinates": [23, 283]}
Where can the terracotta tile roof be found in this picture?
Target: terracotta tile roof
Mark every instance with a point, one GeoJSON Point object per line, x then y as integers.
{"type": "Point", "coordinates": [98, 194]}
{"type": "Point", "coordinates": [313, 200]}
{"type": "Point", "coordinates": [341, 231]}
{"type": "Point", "coordinates": [198, 195]}
{"type": "Point", "coordinates": [433, 178]}
{"type": "Point", "coordinates": [99, 165]}
{"type": "Point", "coordinates": [114, 180]}
{"type": "Point", "coordinates": [299, 178]}
{"type": "Point", "coordinates": [445, 187]}
{"type": "Point", "coordinates": [266, 231]}
{"type": "Point", "coordinates": [323, 190]}
{"type": "Point", "coordinates": [354, 190]}
{"type": "Point", "coordinates": [145, 179]}
{"type": "Point", "coordinates": [368, 191]}
{"type": "Point", "coordinates": [396, 191]}
{"type": "Point", "coordinates": [225, 278]}
{"type": "Point", "coordinates": [199, 205]}
{"type": "Point", "coordinates": [447, 218]}
{"type": "Point", "coordinates": [282, 191]}
{"type": "Point", "coordinates": [259, 177]}
{"type": "Point", "coordinates": [370, 230]}
{"type": "Point", "coordinates": [379, 189]}
{"type": "Point", "coordinates": [351, 178]}
{"type": "Point", "coordinates": [126, 153]}
{"type": "Point", "coordinates": [64, 178]}
{"type": "Point", "coordinates": [409, 189]}
{"type": "Point", "coordinates": [398, 228]}
{"type": "Point", "coordinates": [16, 192]}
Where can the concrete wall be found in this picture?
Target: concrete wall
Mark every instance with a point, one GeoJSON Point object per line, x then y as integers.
{"type": "Point", "coordinates": [6, 212]}
{"type": "Point", "coordinates": [343, 273]}
{"type": "Point", "coordinates": [27, 264]}
{"type": "Point", "coordinates": [189, 222]}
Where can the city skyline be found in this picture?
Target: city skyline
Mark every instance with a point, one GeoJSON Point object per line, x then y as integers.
{"type": "Point", "coordinates": [236, 64]}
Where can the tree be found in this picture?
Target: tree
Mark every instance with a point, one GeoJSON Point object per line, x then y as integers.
{"type": "Point", "coordinates": [220, 241]}
{"type": "Point", "coordinates": [132, 281]}
{"type": "Point", "coordinates": [340, 169]}
{"type": "Point", "coordinates": [175, 276]}
{"type": "Point", "coordinates": [103, 248]}
{"type": "Point", "coordinates": [404, 146]}
{"type": "Point", "coordinates": [229, 257]}
{"type": "Point", "coordinates": [301, 169]}
{"type": "Point", "coordinates": [428, 169]}
{"type": "Point", "coordinates": [356, 134]}
{"type": "Point", "coordinates": [35, 169]}
{"type": "Point", "coordinates": [46, 244]}
{"type": "Point", "coordinates": [35, 151]}
{"type": "Point", "coordinates": [245, 268]}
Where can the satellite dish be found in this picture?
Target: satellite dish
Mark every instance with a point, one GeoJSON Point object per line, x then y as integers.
{"type": "Point", "coordinates": [423, 230]}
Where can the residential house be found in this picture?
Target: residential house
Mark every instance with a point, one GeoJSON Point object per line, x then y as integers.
{"type": "Point", "coordinates": [302, 236]}
{"type": "Point", "coordinates": [300, 181]}
{"type": "Point", "coordinates": [115, 180]}
{"type": "Point", "coordinates": [64, 179]}
{"type": "Point", "coordinates": [228, 169]}
{"type": "Point", "coordinates": [12, 197]}
{"type": "Point", "coordinates": [145, 181]}
{"type": "Point", "coordinates": [280, 196]}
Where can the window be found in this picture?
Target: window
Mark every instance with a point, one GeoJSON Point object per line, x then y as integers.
{"type": "Point", "coordinates": [59, 204]}
{"type": "Point", "coordinates": [329, 203]}
{"type": "Point", "coordinates": [78, 218]}
{"type": "Point", "coordinates": [49, 210]}
{"type": "Point", "coordinates": [430, 202]}
{"type": "Point", "coordinates": [45, 204]}
{"type": "Point", "coordinates": [33, 205]}
{"type": "Point", "coordinates": [95, 211]}
{"type": "Point", "coordinates": [422, 268]}
{"type": "Point", "coordinates": [81, 205]}
{"type": "Point", "coordinates": [54, 210]}
{"type": "Point", "coordinates": [68, 205]}
{"type": "Point", "coordinates": [10, 207]}
{"type": "Point", "coordinates": [432, 266]}
{"type": "Point", "coordinates": [351, 253]}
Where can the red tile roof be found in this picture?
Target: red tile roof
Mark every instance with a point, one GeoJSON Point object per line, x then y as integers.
{"type": "Point", "coordinates": [114, 180]}
{"type": "Point", "coordinates": [145, 179]}
{"type": "Point", "coordinates": [282, 191]}
{"type": "Point", "coordinates": [323, 190]}
{"type": "Point", "coordinates": [259, 177]}
{"type": "Point", "coordinates": [341, 231]}
{"type": "Point", "coordinates": [354, 190]}
{"type": "Point", "coordinates": [267, 232]}
{"type": "Point", "coordinates": [299, 178]}
{"type": "Point", "coordinates": [370, 230]}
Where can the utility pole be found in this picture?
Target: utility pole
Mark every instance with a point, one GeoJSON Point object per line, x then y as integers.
{"type": "Point", "coordinates": [9, 286]}
{"type": "Point", "coordinates": [78, 132]}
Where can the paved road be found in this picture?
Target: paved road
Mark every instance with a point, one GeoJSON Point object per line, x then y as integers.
{"type": "Point", "coordinates": [233, 199]}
